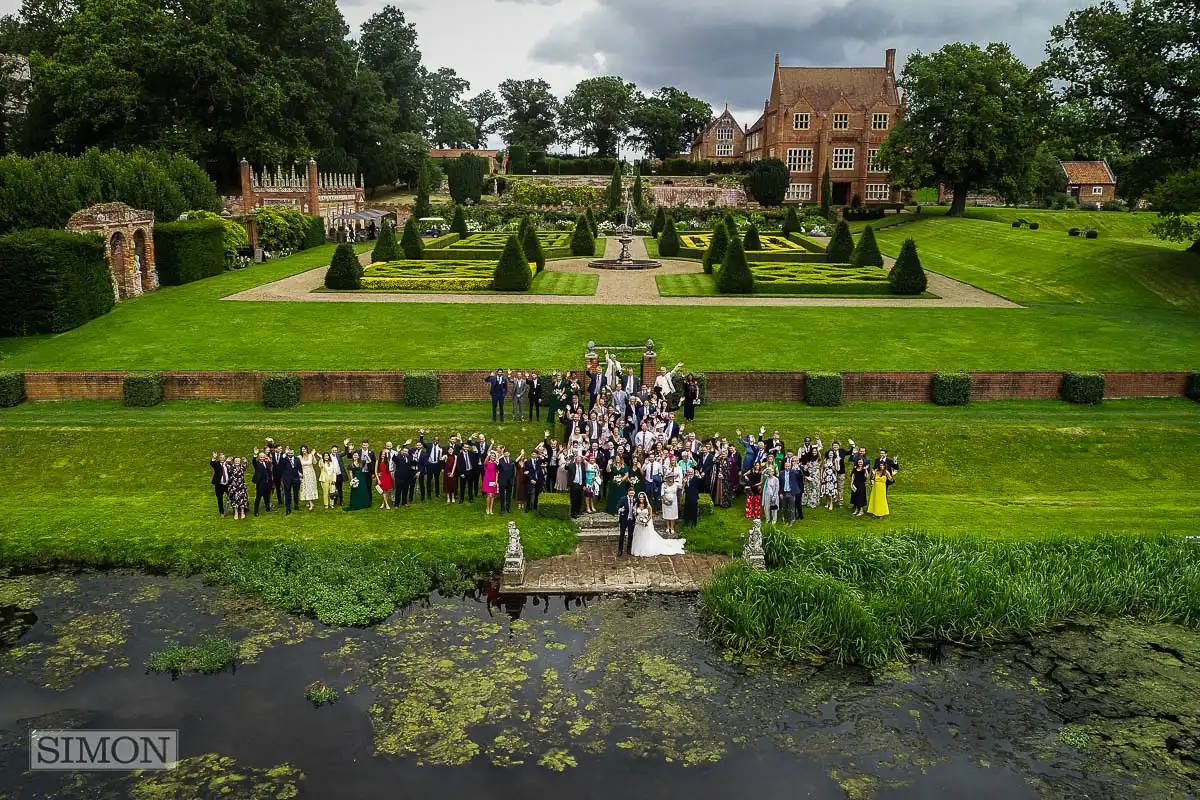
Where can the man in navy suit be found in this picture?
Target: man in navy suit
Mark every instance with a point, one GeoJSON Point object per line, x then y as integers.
{"type": "Point", "coordinates": [506, 475]}
{"type": "Point", "coordinates": [277, 475]}
{"type": "Point", "coordinates": [626, 520]}
{"type": "Point", "coordinates": [535, 478]}
{"type": "Point", "coordinates": [291, 472]}
{"type": "Point", "coordinates": [429, 458]}
{"type": "Point", "coordinates": [263, 479]}
{"type": "Point", "coordinates": [597, 381]}
{"type": "Point", "coordinates": [499, 391]}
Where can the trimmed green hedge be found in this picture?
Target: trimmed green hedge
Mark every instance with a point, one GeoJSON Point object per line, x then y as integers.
{"type": "Point", "coordinates": [189, 250]}
{"type": "Point", "coordinates": [421, 389]}
{"type": "Point", "coordinates": [806, 243]}
{"type": "Point", "coordinates": [281, 390]}
{"type": "Point", "coordinates": [1193, 387]}
{"type": "Point", "coordinates": [820, 279]}
{"type": "Point", "coordinates": [823, 388]}
{"type": "Point", "coordinates": [52, 281]}
{"type": "Point", "coordinates": [704, 506]}
{"type": "Point", "coordinates": [12, 389]}
{"type": "Point", "coordinates": [142, 390]}
{"type": "Point", "coordinates": [314, 232]}
{"type": "Point", "coordinates": [1082, 387]}
{"type": "Point", "coordinates": [555, 505]}
{"type": "Point", "coordinates": [951, 389]}
{"type": "Point", "coordinates": [443, 241]}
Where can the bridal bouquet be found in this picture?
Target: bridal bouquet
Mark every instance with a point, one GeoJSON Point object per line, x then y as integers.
{"type": "Point", "coordinates": [353, 482]}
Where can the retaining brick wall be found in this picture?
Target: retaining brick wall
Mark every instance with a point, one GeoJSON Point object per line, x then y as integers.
{"type": "Point", "coordinates": [468, 385]}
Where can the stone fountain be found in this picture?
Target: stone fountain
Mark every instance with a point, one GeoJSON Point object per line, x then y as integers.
{"type": "Point", "coordinates": [625, 236]}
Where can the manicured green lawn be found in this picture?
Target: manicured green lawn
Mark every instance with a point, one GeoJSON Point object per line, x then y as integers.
{"type": "Point", "coordinates": [564, 283]}
{"type": "Point", "coordinates": [694, 284]}
{"type": "Point", "coordinates": [118, 485]}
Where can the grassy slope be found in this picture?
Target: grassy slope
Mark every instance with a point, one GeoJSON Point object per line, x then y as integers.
{"type": "Point", "coordinates": [116, 482]}
{"type": "Point", "coordinates": [1125, 267]}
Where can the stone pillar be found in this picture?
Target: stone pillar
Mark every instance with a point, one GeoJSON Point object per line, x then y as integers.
{"type": "Point", "coordinates": [591, 360]}
{"type": "Point", "coordinates": [753, 552]}
{"type": "Point", "coordinates": [314, 190]}
{"type": "Point", "coordinates": [514, 558]}
{"type": "Point", "coordinates": [248, 204]}
{"type": "Point", "coordinates": [649, 364]}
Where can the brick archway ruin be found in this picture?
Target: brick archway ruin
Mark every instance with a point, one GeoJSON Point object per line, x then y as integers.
{"type": "Point", "coordinates": [128, 245]}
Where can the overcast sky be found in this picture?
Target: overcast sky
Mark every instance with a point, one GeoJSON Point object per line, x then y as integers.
{"type": "Point", "coordinates": [720, 51]}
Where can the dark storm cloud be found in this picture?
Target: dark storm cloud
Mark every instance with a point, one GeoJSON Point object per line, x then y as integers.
{"type": "Point", "coordinates": [724, 52]}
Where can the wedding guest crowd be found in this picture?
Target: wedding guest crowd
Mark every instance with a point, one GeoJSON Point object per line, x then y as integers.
{"type": "Point", "coordinates": [617, 435]}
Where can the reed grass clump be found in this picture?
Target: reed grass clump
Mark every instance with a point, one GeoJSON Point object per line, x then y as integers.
{"type": "Point", "coordinates": [866, 600]}
{"type": "Point", "coordinates": [213, 654]}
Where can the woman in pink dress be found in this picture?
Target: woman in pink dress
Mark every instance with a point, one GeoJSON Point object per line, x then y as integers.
{"type": "Point", "coordinates": [489, 482]}
{"type": "Point", "coordinates": [383, 475]}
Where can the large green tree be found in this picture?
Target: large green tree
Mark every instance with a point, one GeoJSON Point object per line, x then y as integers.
{"type": "Point", "coordinates": [447, 122]}
{"type": "Point", "coordinates": [597, 113]}
{"type": "Point", "coordinates": [388, 43]}
{"type": "Point", "coordinates": [665, 123]}
{"type": "Point", "coordinates": [1135, 65]}
{"type": "Point", "coordinates": [484, 110]}
{"type": "Point", "coordinates": [531, 117]}
{"type": "Point", "coordinates": [1177, 200]}
{"type": "Point", "coordinates": [974, 120]}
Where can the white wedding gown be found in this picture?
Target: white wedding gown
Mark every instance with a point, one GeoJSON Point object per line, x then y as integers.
{"type": "Point", "coordinates": [647, 542]}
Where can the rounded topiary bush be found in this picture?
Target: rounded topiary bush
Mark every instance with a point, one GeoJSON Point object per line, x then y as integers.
{"type": "Point", "coordinates": [907, 277]}
{"type": "Point", "coordinates": [512, 271]}
{"type": "Point", "coordinates": [345, 272]}
{"type": "Point", "coordinates": [1074, 232]}
{"type": "Point", "coordinates": [142, 390]}
{"type": "Point", "coordinates": [1033, 226]}
{"type": "Point", "coordinates": [386, 246]}
{"type": "Point", "coordinates": [1092, 235]}
{"type": "Point", "coordinates": [823, 388]}
{"type": "Point", "coordinates": [1082, 387]}
{"type": "Point", "coordinates": [791, 223]}
{"type": "Point", "coordinates": [717, 244]}
{"type": "Point", "coordinates": [459, 223]}
{"type": "Point", "coordinates": [281, 390]}
{"type": "Point", "coordinates": [841, 246]}
{"type": "Point", "coordinates": [668, 245]}
{"type": "Point", "coordinates": [411, 242]}
{"type": "Point", "coordinates": [1192, 389]}
{"type": "Point", "coordinates": [12, 389]}
{"type": "Point", "coordinates": [421, 389]}
{"type": "Point", "coordinates": [583, 241]}
{"type": "Point", "coordinates": [314, 232]}
{"type": "Point", "coordinates": [554, 505]}
{"type": "Point", "coordinates": [951, 389]}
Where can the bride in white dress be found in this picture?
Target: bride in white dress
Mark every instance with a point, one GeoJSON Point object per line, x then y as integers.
{"type": "Point", "coordinates": [646, 541]}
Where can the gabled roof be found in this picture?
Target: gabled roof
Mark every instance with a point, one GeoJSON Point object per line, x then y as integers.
{"type": "Point", "coordinates": [758, 124]}
{"type": "Point", "coordinates": [1088, 172]}
{"type": "Point", "coordinates": [725, 115]}
{"type": "Point", "coordinates": [821, 87]}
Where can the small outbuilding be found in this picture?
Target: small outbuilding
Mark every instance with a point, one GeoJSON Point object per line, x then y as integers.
{"type": "Point", "coordinates": [128, 244]}
{"type": "Point", "coordinates": [1090, 181]}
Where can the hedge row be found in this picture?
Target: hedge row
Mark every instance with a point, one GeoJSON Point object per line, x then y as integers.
{"type": "Point", "coordinates": [52, 281]}
{"type": "Point", "coordinates": [189, 250]}
{"type": "Point", "coordinates": [421, 389]}
{"type": "Point", "coordinates": [281, 390]}
{"type": "Point", "coordinates": [823, 388]}
{"type": "Point", "coordinates": [951, 389]}
{"type": "Point", "coordinates": [1193, 387]}
{"type": "Point", "coordinates": [12, 389]}
{"type": "Point", "coordinates": [1082, 387]}
{"type": "Point", "coordinates": [142, 390]}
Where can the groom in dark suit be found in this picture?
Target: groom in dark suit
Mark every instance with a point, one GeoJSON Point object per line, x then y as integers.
{"type": "Point", "coordinates": [625, 518]}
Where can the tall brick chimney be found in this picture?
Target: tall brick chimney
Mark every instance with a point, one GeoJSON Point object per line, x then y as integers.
{"type": "Point", "coordinates": [890, 62]}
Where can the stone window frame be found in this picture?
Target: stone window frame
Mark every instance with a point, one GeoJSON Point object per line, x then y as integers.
{"type": "Point", "coordinates": [879, 191]}
{"type": "Point", "coordinates": [803, 161]}
{"type": "Point", "coordinates": [801, 116]}
{"type": "Point", "coordinates": [724, 141]}
{"type": "Point", "coordinates": [799, 191]}
{"type": "Point", "coordinates": [881, 121]}
{"type": "Point", "coordinates": [874, 163]}
{"type": "Point", "coordinates": [844, 155]}
{"type": "Point", "coordinates": [841, 122]}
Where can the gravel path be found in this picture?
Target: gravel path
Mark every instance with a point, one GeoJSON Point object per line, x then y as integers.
{"type": "Point", "coordinates": [624, 287]}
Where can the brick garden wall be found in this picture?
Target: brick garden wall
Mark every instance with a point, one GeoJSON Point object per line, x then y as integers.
{"type": "Point", "coordinates": [468, 385]}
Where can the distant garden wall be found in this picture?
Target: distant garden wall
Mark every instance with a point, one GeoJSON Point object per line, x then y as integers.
{"type": "Point", "coordinates": [468, 385]}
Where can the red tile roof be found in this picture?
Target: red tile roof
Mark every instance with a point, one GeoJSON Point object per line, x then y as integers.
{"type": "Point", "coordinates": [1088, 172]}
{"type": "Point", "coordinates": [822, 86]}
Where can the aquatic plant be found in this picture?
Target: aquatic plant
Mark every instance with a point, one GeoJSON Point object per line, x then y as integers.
{"type": "Point", "coordinates": [213, 654]}
{"type": "Point", "coordinates": [320, 693]}
{"type": "Point", "coordinates": [866, 599]}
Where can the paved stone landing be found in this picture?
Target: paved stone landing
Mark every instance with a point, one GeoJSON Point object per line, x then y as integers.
{"type": "Point", "coordinates": [595, 568]}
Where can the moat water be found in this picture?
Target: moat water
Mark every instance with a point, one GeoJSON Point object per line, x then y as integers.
{"type": "Point", "coordinates": [581, 698]}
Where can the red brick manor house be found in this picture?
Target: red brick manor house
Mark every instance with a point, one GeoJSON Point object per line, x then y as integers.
{"type": "Point", "coordinates": [816, 117]}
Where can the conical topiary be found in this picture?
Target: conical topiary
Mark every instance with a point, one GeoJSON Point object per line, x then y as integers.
{"type": "Point", "coordinates": [421, 205]}
{"type": "Point", "coordinates": [532, 246]}
{"type": "Point", "coordinates": [386, 248]}
{"type": "Point", "coordinates": [752, 241]}
{"type": "Point", "coordinates": [411, 242]}
{"type": "Point", "coordinates": [866, 252]}
{"type": "Point", "coordinates": [615, 189]}
{"type": "Point", "coordinates": [582, 241]}
{"type": "Point", "coordinates": [660, 218]}
{"type": "Point", "coordinates": [734, 275]}
{"type": "Point", "coordinates": [841, 246]}
{"type": "Point", "coordinates": [591, 221]}
{"type": "Point", "coordinates": [344, 271]}
{"type": "Point", "coordinates": [512, 272]}
{"type": "Point", "coordinates": [668, 245]}
{"type": "Point", "coordinates": [731, 224]}
{"type": "Point", "coordinates": [459, 223]}
{"type": "Point", "coordinates": [639, 198]}
{"type": "Point", "coordinates": [826, 194]}
{"type": "Point", "coordinates": [717, 245]}
{"type": "Point", "coordinates": [791, 223]}
{"type": "Point", "coordinates": [907, 276]}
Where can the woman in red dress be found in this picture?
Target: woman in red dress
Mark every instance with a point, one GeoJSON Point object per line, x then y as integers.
{"type": "Point", "coordinates": [449, 479]}
{"type": "Point", "coordinates": [383, 475]}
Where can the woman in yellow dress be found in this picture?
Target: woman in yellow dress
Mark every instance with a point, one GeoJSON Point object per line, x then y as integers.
{"type": "Point", "coordinates": [878, 507]}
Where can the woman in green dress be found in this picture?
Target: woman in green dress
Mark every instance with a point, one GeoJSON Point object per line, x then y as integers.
{"type": "Point", "coordinates": [558, 392]}
{"type": "Point", "coordinates": [360, 486]}
{"type": "Point", "coordinates": [618, 484]}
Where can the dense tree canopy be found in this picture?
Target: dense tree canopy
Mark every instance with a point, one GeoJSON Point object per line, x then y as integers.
{"type": "Point", "coordinates": [388, 43]}
{"type": "Point", "coordinates": [974, 120]}
{"type": "Point", "coordinates": [531, 113]}
{"type": "Point", "coordinates": [665, 123]}
{"type": "Point", "coordinates": [448, 124]}
{"type": "Point", "coordinates": [1134, 65]}
{"type": "Point", "coordinates": [597, 113]}
{"type": "Point", "coordinates": [1177, 199]}
{"type": "Point", "coordinates": [484, 111]}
